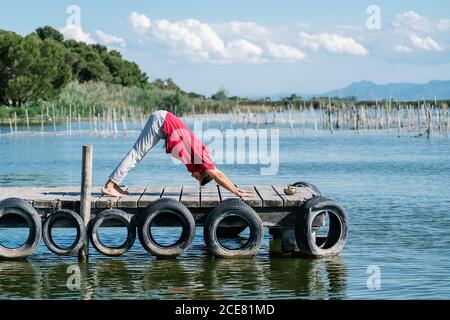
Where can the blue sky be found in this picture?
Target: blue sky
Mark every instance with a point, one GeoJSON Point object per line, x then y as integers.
{"type": "Point", "coordinates": [257, 47]}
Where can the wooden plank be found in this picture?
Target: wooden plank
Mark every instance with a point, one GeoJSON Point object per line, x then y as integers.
{"type": "Point", "coordinates": [306, 193]}
{"type": "Point", "coordinates": [253, 201]}
{"type": "Point", "coordinates": [190, 196]}
{"type": "Point", "coordinates": [294, 200]}
{"type": "Point", "coordinates": [132, 198]}
{"type": "Point", "coordinates": [270, 198]}
{"type": "Point", "coordinates": [150, 194]}
{"type": "Point", "coordinates": [225, 194]}
{"type": "Point", "coordinates": [71, 199]}
{"type": "Point", "coordinates": [12, 192]}
{"type": "Point", "coordinates": [45, 198]}
{"type": "Point", "coordinates": [209, 196]}
{"type": "Point", "coordinates": [172, 192]}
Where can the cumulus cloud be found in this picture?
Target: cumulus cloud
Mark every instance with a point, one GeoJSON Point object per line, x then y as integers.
{"type": "Point", "coordinates": [285, 52]}
{"type": "Point", "coordinates": [402, 49]}
{"type": "Point", "coordinates": [333, 43]}
{"type": "Point", "coordinates": [425, 43]}
{"type": "Point", "coordinates": [413, 21]}
{"type": "Point", "coordinates": [140, 22]}
{"type": "Point", "coordinates": [443, 24]}
{"type": "Point", "coordinates": [108, 39]}
{"type": "Point", "coordinates": [231, 42]}
{"type": "Point", "coordinates": [76, 33]}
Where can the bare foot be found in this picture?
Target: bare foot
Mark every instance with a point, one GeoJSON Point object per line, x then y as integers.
{"type": "Point", "coordinates": [120, 190]}
{"type": "Point", "coordinates": [112, 192]}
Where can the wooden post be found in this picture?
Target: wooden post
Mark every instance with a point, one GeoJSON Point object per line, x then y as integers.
{"type": "Point", "coordinates": [85, 198]}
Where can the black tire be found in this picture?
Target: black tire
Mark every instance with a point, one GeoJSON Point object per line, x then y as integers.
{"type": "Point", "coordinates": [305, 229]}
{"type": "Point", "coordinates": [80, 239]}
{"type": "Point", "coordinates": [164, 206]}
{"type": "Point", "coordinates": [316, 191]}
{"type": "Point", "coordinates": [26, 211]}
{"type": "Point", "coordinates": [112, 214]}
{"type": "Point", "coordinates": [238, 208]}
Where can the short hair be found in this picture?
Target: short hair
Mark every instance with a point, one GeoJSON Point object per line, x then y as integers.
{"type": "Point", "coordinates": [206, 178]}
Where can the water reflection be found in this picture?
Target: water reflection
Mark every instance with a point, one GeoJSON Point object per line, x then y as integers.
{"type": "Point", "coordinates": [20, 279]}
{"type": "Point", "coordinates": [309, 278]}
{"type": "Point", "coordinates": [196, 278]}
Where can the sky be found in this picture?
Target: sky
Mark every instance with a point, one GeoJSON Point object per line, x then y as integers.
{"type": "Point", "coordinates": [257, 48]}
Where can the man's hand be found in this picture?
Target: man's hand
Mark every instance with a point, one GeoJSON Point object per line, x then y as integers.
{"type": "Point", "coordinates": [244, 193]}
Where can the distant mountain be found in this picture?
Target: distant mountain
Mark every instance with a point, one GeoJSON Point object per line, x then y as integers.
{"type": "Point", "coordinates": [366, 90]}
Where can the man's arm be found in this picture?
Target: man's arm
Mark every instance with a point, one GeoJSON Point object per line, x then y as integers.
{"type": "Point", "coordinates": [222, 180]}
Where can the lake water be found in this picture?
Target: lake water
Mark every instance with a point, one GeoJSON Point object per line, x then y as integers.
{"type": "Point", "coordinates": [395, 189]}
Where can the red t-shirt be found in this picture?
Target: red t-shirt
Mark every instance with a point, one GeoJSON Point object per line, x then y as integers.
{"type": "Point", "coordinates": [182, 144]}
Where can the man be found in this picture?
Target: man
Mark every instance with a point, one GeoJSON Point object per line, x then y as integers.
{"type": "Point", "coordinates": [181, 143]}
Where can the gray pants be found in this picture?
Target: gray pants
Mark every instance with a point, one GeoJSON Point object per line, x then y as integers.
{"type": "Point", "coordinates": [149, 137]}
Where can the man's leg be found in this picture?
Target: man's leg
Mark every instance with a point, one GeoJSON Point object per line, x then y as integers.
{"type": "Point", "coordinates": [148, 138]}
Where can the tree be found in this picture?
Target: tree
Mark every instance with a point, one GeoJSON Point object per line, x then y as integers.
{"type": "Point", "coordinates": [9, 41]}
{"type": "Point", "coordinates": [39, 70]}
{"type": "Point", "coordinates": [220, 95]}
{"type": "Point", "coordinates": [48, 32]}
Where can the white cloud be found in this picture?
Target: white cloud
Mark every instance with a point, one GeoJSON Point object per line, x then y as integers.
{"type": "Point", "coordinates": [231, 42]}
{"type": "Point", "coordinates": [285, 52]}
{"type": "Point", "coordinates": [333, 43]}
{"type": "Point", "coordinates": [108, 39]}
{"type": "Point", "coordinates": [139, 22]}
{"type": "Point", "coordinates": [413, 21]}
{"type": "Point", "coordinates": [76, 33]}
{"type": "Point", "coordinates": [402, 49]}
{"type": "Point", "coordinates": [241, 29]}
{"type": "Point", "coordinates": [426, 43]}
{"type": "Point", "coordinates": [443, 24]}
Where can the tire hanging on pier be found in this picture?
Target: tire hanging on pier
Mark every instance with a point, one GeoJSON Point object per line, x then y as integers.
{"type": "Point", "coordinates": [78, 223]}
{"type": "Point", "coordinates": [309, 219]}
{"type": "Point", "coordinates": [118, 216]}
{"type": "Point", "coordinates": [160, 207]}
{"type": "Point", "coordinates": [233, 208]}
{"type": "Point", "coordinates": [310, 186]}
{"type": "Point", "coordinates": [16, 206]}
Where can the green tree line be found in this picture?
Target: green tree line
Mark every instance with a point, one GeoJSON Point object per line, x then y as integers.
{"type": "Point", "coordinates": [41, 64]}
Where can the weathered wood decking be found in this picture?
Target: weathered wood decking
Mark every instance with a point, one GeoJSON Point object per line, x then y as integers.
{"type": "Point", "coordinates": [140, 197]}
{"type": "Point", "coordinates": [270, 201]}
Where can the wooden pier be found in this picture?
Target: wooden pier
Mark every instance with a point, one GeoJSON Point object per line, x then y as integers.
{"type": "Point", "coordinates": [296, 214]}
{"type": "Point", "coordinates": [269, 201]}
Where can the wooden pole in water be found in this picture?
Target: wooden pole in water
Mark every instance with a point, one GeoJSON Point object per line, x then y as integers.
{"type": "Point", "coordinates": [15, 124]}
{"type": "Point", "coordinates": [10, 126]}
{"type": "Point", "coordinates": [42, 121]}
{"type": "Point", "coordinates": [28, 121]}
{"type": "Point", "coordinates": [54, 119]}
{"type": "Point", "coordinates": [85, 197]}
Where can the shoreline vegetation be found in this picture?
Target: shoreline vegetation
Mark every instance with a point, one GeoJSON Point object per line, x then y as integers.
{"type": "Point", "coordinates": [45, 79]}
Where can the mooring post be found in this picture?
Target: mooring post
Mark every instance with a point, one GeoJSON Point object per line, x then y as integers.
{"type": "Point", "coordinates": [85, 198]}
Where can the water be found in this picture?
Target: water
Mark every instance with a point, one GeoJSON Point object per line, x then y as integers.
{"type": "Point", "coordinates": [395, 189]}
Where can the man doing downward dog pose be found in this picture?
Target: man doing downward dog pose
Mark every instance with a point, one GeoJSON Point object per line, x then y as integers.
{"type": "Point", "coordinates": [181, 143]}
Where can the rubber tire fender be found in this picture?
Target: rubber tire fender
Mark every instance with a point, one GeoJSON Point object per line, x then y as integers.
{"type": "Point", "coordinates": [80, 239]}
{"type": "Point", "coordinates": [161, 206]}
{"type": "Point", "coordinates": [112, 214]}
{"type": "Point", "coordinates": [233, 207]}
{"type": "Point", "coordinates": [338, 230]}
{"type": "Point", "coordinates": [26, 211]}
